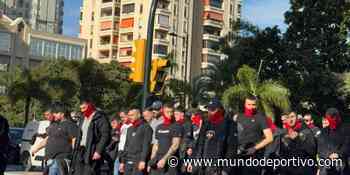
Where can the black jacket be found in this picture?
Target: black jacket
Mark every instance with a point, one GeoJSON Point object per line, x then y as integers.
{"type": "Point", "coordinates": [332, 142]}
{"type": "Point", "coordinates": [138, 143]}
{"type": "Point", "coordinates": [4, 131]}
{"type": "Point", "coordinates": [98, 137]}
{"type": "Point", "coordinates": [303, 146]}
{"type": "Point", "coordinates": [212, 147]}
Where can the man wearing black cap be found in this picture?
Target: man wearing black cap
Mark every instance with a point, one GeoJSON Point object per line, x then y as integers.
{"type": "Point", "coordinates": [157, 118]}
{"type": "Point", "coordinates": [213, 136]}
{"type": "Point", "coordinates": [253, 133]}
{"type": "Point", "coordinates": [61, 135]}
{"type": "Point", "coordinates": [4, 140]}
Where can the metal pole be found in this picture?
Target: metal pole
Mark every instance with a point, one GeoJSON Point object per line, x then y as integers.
{"type": "Point", "coordinates": [148, 59]}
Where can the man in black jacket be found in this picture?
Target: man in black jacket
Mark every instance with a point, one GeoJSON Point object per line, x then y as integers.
{"type": "Point", "coordinates": [137, 146]}
{"type": "Point", "coordinates": [4, 140]}
{"type": "Point", "coordinates": [212, 139]}
{"type": "Point", "coordinates": [333, 143]}
{"type": "Point", "coordinates": [298, 142]}
{"type": "Point", "coordinates": [92, 141]}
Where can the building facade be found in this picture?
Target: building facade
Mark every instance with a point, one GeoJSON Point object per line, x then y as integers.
{"type": "Point", "coordinates": [41, 15]}
{"type": "Point", "coordinates": [20, 45]}
{"type": "Point", "coordinates": [184, 31]}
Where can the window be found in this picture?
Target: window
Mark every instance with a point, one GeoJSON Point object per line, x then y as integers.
{"type": "Point", "coordinates": [117, 11]}
{"type": "Point", "coordinates": [175, 10]}
{"type": "Point", "coordinates": [63, 51]}
{"type": "Point", "coordinates": [76, 52]}
{"type": "Point", "coordinates": [126, 51]}
{"type": "Point", "coordinates": [49, 49]}
{"type": "Point", "coordinates": [106, 12]}
{"type": "Point", "coordinates": [20, 3]}
{"type": "Point", "coordinates": [163, 20]}
{"type": "Point", "coordinates": [160, 34]}
{"type": "Point", "coordinates": [160, 49]}
{"type": "Point", "coordinates": [128, 8]}
{"type": "Point", "coordinates": [185, 12]}
{"type": "Point", "coordinates": [36, 47]}
{"type": "Point", "coordinates": [105, 40]}
{"type": "Point", "coordinates": [81, 16]}
{"type": "Point", "coordinates": [141, 9]}
{"type": "Point", "coordinates": [91, 42]}
{"type": "Point", "coordinates": [5, 43]}
{"type": "Point", "coordinates": [210, 44]}
{"type": "Point", "coordinates": [126, 37]}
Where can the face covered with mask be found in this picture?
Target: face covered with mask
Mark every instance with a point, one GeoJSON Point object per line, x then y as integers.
{"type": "Point", "coordinates": [249, 108]}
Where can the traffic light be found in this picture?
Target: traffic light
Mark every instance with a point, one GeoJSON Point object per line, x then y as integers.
{"type": "Point", "coordinates": [137, 67]}
{"type": "Point", "coordinates": [158, 74]}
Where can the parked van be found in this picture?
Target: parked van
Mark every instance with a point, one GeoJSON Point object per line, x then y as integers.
{"type": "Point", "coordinates": [34, 132]}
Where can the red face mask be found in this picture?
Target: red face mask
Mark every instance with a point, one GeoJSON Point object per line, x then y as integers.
{"type": "Point", "coordinates": [297, 126]}
{"type": "Point", "coordinates": [333, 121]}
{"type": "Point", "coordinates": [166, 119]}
{"type": "Point", "coordinates": [249, 112]}
{"type": "Point", "coordinates": [136, 123]}
{"type": "Point", "coordinates": [196, 120]}
{"type": "Point", "coordinates": [90, 110]}
{"type": "Point", "coordinates": [217, 118]}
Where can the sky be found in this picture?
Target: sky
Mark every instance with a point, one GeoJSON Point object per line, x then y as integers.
{"type": "Point", "coordinates": [263, 13]}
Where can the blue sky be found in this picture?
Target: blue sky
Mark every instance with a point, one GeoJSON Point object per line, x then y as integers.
{"type": "Point", "coordinates": [260, 12]}
{"type": "Point", "coordinates": [265, 13]}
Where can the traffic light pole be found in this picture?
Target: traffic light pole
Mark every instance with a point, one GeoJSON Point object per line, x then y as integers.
{"type": "Point", "coordinates": [148, 59]}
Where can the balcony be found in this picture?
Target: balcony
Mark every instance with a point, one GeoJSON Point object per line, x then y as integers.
{"type": "Point", "coordinates": [211, 37]}
{"type": "Point", "coordinates": [161, 42]}
{"type": "Point", "coordinates": [107, 4]}
{"type": "Point", "coordinates": [213, 23]}
{"type": "Point", "coordinates": [208, 51]}
{"type": "Point", "coordinates": [213, 9]}
{"type": "Point", "coordinates": [163, 12]}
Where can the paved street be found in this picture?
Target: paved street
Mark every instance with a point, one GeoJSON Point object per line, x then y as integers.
{"type": "Point", "coordinates": [18, 170]}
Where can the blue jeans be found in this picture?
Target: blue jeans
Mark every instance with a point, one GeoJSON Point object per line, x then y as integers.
{"type": "Point", "coordinates": [53, 168]}
{"type": "Point", "coordinates": [116, 167]}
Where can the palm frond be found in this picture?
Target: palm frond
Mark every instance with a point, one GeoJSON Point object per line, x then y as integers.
{"type": "Point", "coordinates": [247, 78]}
{"type": "Point", "coordinates": [234, 95]}
{"type": "Point", "coordinates": [274, 94]}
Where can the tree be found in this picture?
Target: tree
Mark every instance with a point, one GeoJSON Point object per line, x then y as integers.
{"type": "Point", "coordinates": [271, 94]}
{"type": "Point", "coordinates": [317, 42]}
{"type": "Point", "coordinates": [22, 85]}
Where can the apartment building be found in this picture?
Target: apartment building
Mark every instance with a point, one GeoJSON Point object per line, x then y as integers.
{"type": "Point", "coordinates": [219, 17]}
{"type": "Point", "coordinates": [41, 15]}
{"type": "Point", "coordinates": [184, 30]}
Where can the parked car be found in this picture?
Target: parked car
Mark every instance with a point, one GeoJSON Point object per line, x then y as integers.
{"type": "Point", "coordinates": [34, 133]}
{"type": "Point", "coordinates": [15, 135]}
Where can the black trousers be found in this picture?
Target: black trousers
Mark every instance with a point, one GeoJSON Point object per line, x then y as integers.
{"type": "Point", "coordinates": [83, 168]}
{"type": "Point", "coordinates": [3, 163]}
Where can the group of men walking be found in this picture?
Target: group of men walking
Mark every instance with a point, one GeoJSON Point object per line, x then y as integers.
{"type": "Point", "coordinates": [136, 143]}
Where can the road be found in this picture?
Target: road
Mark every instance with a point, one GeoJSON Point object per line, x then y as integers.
{"type": "Point", "coordinates": [18, 170]}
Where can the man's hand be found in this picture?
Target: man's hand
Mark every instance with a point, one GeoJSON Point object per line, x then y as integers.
{"type": "Point", "coordinates": [189, 151]}
{"type": "Point", "coordinates": [334, 156]}
{"type": "Point", "coordinates": [293, 135]}
{"type": "Point", "coordinates": [189, 169]}
{"type": "Point", "coordinates": [96, 156]}
{"type": "Point", "coordinates": [142, 165]}
{"type": "Point", "coordinates": [122, 167]}
{"type": "Point", "coordinates": [251, 151]}
{"type": "Point", "coordinates": [148, 169]}
{"type": "Point", "coordinates": [34, 151]}
{"type": "Point", "coordinates": [161, 164]}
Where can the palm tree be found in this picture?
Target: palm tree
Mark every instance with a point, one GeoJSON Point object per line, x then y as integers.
{"type": "Point", "coordinates": [270, 93]}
